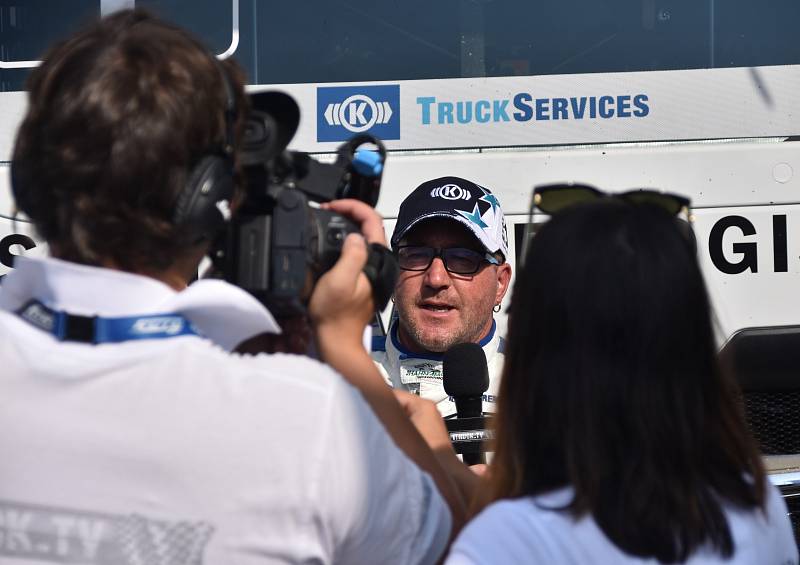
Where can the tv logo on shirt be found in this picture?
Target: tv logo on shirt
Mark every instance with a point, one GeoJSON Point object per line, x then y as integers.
{"type": "Point", "coordinates": [343, 111]}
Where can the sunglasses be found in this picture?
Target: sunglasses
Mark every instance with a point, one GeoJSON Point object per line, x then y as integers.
{"type": "Point", "coordinates": [457, 260]}
{"type": "Point", "coordinates": [552, 198]}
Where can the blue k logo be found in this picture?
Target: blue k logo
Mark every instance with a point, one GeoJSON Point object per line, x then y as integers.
{"type": "Point", "coordinates": [343, 111]}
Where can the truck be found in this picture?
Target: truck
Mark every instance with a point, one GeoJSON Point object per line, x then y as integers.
{"type": "Point", "coordinates": [694, 97]}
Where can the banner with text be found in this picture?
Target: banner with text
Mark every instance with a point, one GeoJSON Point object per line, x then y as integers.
{"type": "Point", "coordinates": [552, 110]}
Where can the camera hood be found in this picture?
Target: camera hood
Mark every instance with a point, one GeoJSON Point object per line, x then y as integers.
{"type": "Point", "coordinates": [270, 127]}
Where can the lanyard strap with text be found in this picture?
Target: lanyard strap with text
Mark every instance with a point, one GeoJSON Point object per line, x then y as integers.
{"type": "Point", "coordinates": [95, 329]}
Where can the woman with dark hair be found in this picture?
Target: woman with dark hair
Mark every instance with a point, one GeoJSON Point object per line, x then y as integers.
{"type": "Point", "coordinates": [619, 438]}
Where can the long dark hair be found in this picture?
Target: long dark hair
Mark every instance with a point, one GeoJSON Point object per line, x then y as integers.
{"type": "Point", "coordinates": [611, 385]}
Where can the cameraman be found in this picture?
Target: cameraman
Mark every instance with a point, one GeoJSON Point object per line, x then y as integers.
{"type": "Point", "coordinates": [129, 432]}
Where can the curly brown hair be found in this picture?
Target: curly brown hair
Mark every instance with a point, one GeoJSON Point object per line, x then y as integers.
{"type": "Point", "coordinates": [117, 116]}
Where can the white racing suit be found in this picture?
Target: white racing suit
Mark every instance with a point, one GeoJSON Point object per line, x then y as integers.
{"type": "Point", "coordinates": [422, 373]}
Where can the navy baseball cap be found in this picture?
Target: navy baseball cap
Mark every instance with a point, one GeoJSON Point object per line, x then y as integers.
{"type": "Point", "coordinates": [460, 200]}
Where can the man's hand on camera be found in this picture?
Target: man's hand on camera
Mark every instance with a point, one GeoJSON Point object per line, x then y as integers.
{"type": "Point", "coordinates": [342, 299]}
{"type": "Point", "coordinates": [364, 215]}
{"type": "Point", "coordinates": [341, 304]}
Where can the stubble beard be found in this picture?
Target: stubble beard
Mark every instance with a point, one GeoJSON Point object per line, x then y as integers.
{"type": "Point", "coordinates": [439, 340]}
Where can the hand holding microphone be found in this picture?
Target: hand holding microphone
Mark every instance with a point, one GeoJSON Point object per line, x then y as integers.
{"type": "Point", "coordinates": [426, 418]}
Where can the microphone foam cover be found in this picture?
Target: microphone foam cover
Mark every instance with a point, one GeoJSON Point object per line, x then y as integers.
{"type": "Point", "coordinates": [464, 370]}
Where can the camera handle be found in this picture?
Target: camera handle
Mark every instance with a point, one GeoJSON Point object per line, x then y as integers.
{"type": "Point", "coordinates": [364, 168]}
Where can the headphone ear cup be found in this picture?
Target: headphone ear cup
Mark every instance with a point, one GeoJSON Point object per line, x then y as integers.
{"type": "Point", "coordinates": [203, 206]}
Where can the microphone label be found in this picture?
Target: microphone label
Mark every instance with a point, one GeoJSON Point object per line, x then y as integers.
{"type": "Point", "coordinates": [471, 435]}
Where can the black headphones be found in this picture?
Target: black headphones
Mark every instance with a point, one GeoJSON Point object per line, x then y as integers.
{"type": "Point", "coordinates": [203, 206]}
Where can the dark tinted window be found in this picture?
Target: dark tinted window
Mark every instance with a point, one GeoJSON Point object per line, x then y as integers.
{"type": "Point", "coordinates": [360, 40]}
{"type": "Point", "coordinates": [211, 20]}
{"type": "Point", "coordinates": [28, 27]}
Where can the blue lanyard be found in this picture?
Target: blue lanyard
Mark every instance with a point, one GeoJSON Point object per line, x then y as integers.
{"type": "Point", "coordinates": [94, 329]}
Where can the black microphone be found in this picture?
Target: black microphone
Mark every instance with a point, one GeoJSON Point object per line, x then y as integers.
{"type": "Point", "coordinates": [465, 376]}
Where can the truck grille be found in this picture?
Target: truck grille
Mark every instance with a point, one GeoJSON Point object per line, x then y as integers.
{"type": "Point", "coordinates": [774, 420]}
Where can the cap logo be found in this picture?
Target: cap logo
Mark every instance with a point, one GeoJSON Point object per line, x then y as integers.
{"type": "Point", "coordinates": [451, 192]}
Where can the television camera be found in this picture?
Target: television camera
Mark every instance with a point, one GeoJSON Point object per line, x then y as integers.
{"type": "Point", "coordinates": [280, 241]}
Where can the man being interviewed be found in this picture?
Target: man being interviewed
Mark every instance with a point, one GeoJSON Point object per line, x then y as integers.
{"type": "Point", "coordinates": [451, 242]}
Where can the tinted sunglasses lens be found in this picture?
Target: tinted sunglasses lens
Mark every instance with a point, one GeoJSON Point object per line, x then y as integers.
{"type": "Point", "coordinates": [664, 201]}
{"type": "Point", "coordinates": [552, 200]}
{"type": "Point", "coordinates": [414, 258]}
{"type": "Point", "coordinates": [461, 261]}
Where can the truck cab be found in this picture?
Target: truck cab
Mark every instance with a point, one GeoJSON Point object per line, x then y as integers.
{"type": "Point", "coordinates": [697, 98]}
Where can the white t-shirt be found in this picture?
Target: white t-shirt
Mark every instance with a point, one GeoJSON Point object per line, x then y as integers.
{"type": "Point", "coordinates": [174, 451]}
{"type": "Point", "coordinates": [522, 530]}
